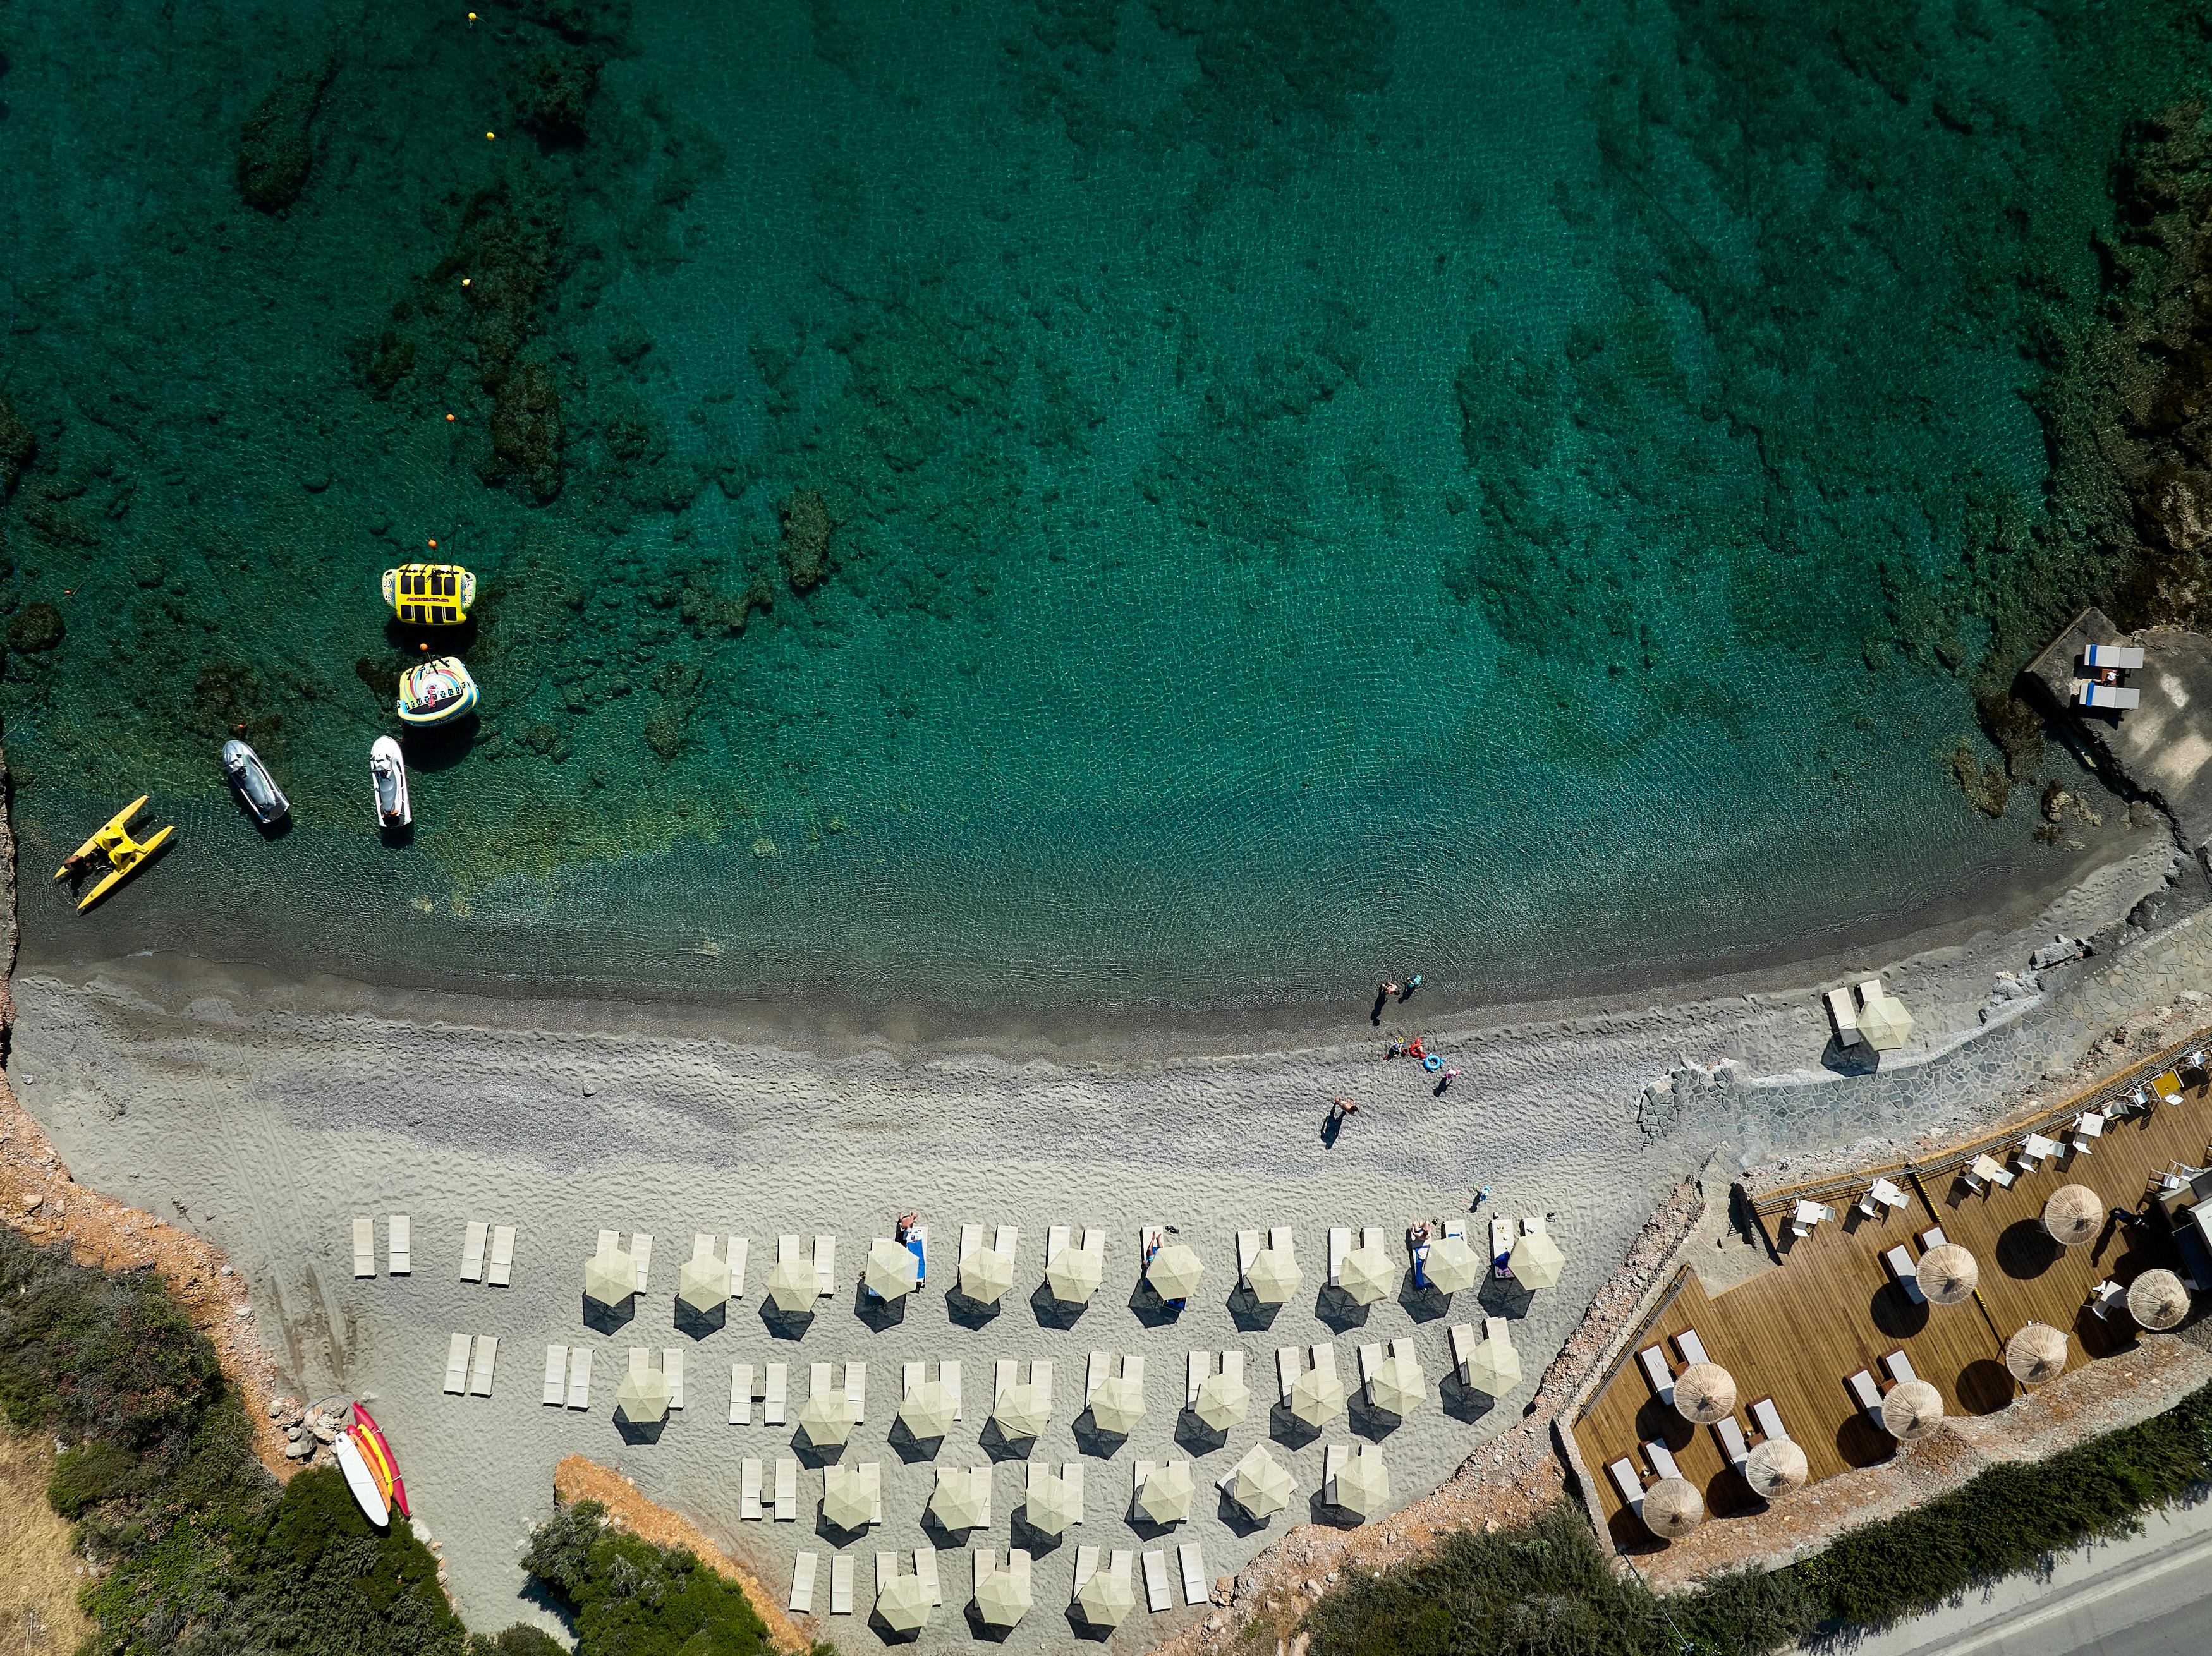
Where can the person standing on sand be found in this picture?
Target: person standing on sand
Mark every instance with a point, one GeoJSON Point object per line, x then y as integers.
{"type": "Point", "coordinates": [1449, 1076]}
{"type": "Point", "coordinates": [1341, 1108]}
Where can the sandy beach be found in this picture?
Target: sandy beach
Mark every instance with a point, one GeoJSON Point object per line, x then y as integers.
{"type": "Point", "coordinates": [265, 1114]}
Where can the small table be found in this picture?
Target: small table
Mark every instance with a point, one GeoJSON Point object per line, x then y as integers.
{"type": "Point", "coordinates": [1888, 1194]}
{"type": "Point", "coordinates": [2038, 1147]}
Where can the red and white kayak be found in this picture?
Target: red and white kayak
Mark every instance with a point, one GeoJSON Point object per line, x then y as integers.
{"type": "Point", "coordinates": [383, 1465]}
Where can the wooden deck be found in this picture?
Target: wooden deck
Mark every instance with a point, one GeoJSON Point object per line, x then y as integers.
{"type": "Point", "coordinates": [1797, 1330]}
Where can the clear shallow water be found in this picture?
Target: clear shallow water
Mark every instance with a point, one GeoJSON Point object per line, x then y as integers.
{"type": "Point", "coordinates": [1087, 504]}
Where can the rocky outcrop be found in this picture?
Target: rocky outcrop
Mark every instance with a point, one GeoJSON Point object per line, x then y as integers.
{"type": "Point", "coordinates": [18, 445]}
{"type": "Point", "coordinates": [275, 147]}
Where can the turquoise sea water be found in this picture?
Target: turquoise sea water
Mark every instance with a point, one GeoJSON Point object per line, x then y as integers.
{"type": "Point", "coordinates": [1074, 502]}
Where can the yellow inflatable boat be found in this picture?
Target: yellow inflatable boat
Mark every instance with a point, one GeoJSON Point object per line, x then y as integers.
{"type": "Point", "coordinates": [113, 844]}
{"type": "Point", "coordinates": [430, 594]}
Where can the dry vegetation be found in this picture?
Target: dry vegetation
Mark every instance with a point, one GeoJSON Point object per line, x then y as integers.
{"type": "Point", "coordinates": [40, 1570]}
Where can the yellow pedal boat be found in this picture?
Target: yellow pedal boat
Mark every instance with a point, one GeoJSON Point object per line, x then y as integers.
{"type": "Point", "coordinates": [124, 853]}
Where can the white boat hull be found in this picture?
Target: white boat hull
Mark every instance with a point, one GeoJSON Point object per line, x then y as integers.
{"type": "Point", "coordinates": [387, 770]}
{"type": "Point", "coordinates": [362, 1481]}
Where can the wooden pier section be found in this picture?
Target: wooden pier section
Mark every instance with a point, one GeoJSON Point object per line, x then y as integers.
{"type": "Point", "coordinates": [1797, 1330]}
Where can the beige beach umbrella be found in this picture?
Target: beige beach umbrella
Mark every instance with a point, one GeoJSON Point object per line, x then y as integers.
{"type": "Point", "coordinates": [2157, 1300]}
{"type": "Point", "coordinates": [1776, 1466]}
{"type": "Point", "coordinates": [1704, 1393]}
{"type": "Point", "coordinates": [2073, 1215]}
{"type": "Point", "coordinates": [1367, 1275]}
{"type": "Point", "coordinates": [793, 1286]}
{"type": "Point", "coordinates": [643, 1397]}
{"type": "Point", "coordinates": [1454, 1267]}
{"type": "Point", "coordinates": [1052, 1505]}
{"type": "Point", "coordinates": [1316, 1398]}
{"type": "Point", "coordinates": [1106, 1599]}
{"type": "Point", "coordinates": [1536, 1261]}
{"type": "Point", "coordinates": [1397, 1386]}
{"type": "Point", "coordinates": [704, 1284]}
{"type": "Point", "coordinates": [1885, 1022]}
{"type": "Point", "coordinates": [1168, 1492]}
{"type": "Point", "coordinates": [1073, 1274]}
{"type": "Point", "coordinates": [903, 1603]}
{"type": "Point", "coordinates": [1118, 1405]}
{"type": "Point", "coordinates": [1672, 1507]}
{"type": "Point", "coordinates": [609, 1277]}
{"type": "Point", "coordinates": [848, 1499]}
{"type": "Point", "coordinates": [892, 1271]}
{"type": "Point", "coordinates": [1173, 1272]}
{"type": "Point", "coordinates": [1912, 1411]}
{"type": "Point", "coordinates": [826, 1418]}
{"type": "Point", "coordinates": [1002, 1598]}
{"type": "Point", "coordinates": [1024, 1411]}
{"type": "Point", "coordinates": [1949, 1273]}
{"type": "Point", "coordinates": [960, 1499]}
{"type": "Point", "coordinates": [1261, 1487]}
{"type": "Point", "coordinates": [1493, 1368]}
{"type": "Point", "coordinates": [1223, 1401]}
{"type": "Point", "coordinates": [1274, 1276]}
{"type": "Point", "coordinates": [928, 1410]}
{"type": "Point", "coordinates": [986, 1275]}
{"type": "Point", "coordinates": [2036, 1353]}
{"type": "Point", "coordinates": [1363, 1483]}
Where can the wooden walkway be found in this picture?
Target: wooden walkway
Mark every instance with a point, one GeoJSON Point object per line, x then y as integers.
{"type": "Point", "coordinates": [1796, 1331]}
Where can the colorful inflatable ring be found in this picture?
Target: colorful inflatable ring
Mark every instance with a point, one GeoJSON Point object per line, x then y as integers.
{"type": "Point", "coordinates": [1432, 1063]}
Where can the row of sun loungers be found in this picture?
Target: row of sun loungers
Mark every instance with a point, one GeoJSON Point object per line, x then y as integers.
{"type": "Point", "coordinates": [1735, 1448]}
{"type": "Point", "coordinates": [1159, 1584]}
{"type": "Point", "coordinates": [467, 1374]}
{"type": "Point", "coordinates": [400, 1254]}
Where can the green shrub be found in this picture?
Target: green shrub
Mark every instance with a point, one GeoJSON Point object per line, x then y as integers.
{"type": "Point", "coordinates": [629, 1598]}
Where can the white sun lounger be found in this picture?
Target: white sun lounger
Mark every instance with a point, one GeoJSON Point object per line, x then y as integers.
{"type": "Point", "coordinates": [1691, 1348]}
{"type": "Point", "coordinates": [1340, 1246]}
{"type": "Point", "coordinates": [1195, 1590]}
{"type": "Point", "coordinates": [872, 1474]}
{"type": "Point", "coordinates": [778, 1384]}
{"type": "Point", "coordinates": [1734, 1449]}
{"type": "Point", "coordinates": [786, 1489]}
{"type": "Point", "coordinates": [1662, 1458]}
{"type": "Point", "coordinates": [1630, 1486]}
{"type": "Point", "coordinates": [1324, 1360]}
{"type": "Point", "coordinates": [1159, 1595]}
{"type": "Point", "coordinates": [640, 1361]}
{"type": "Point", "coordinates": [1040, 1377]}
{"type": "Point", "coordinates": [1002, 1379]}
{"type": "Point", "coordinates": [672, 1367]}
{"type": "Point", "coordinates": [556, 1375]}
{"type": "Point", "coordinates": [887, 1571]}
{"type": "Point", "coordinates": [1004, 1240]}
{"type": "Point", "coordinates": [1087, 1566]}
{"type": "Point", "coordinates": [1289, 1363]}
{"type": "Point", "coordinates": [985, 1562]}
{"type": "Point", "coordinates": [640, 1249]}
{"type": "Point", "coordinates": [580, 1377]}
{"type": "Point", "coordinates": [1906, 1274]}
{"type": "Point", "coordinates": [501, 1274]}
{"type": "Point", "coordinates": [948, 1376]}
{"type": "Point", "coordinates": [1123, 1568]}
{"type": "Point", "coordinates": [741, 1394]}
{"type": "Point", "coordinates": [825, 1264]}
{"type": "Point", "coordinates": [1248, 1249]}
{"type": "Point", "coordinates": [925, 1569]}
{"type": "Point", "coordinates": [457, 1364]}
{"type": "Point", "coordinates": [971, 1238]}
{"type": "Point", "coordinates": [738, 1247]}
{"type": "Point", "coordinates": [1333, 1459]}
{"type": "Point", "coordinates": [1101, 1369]}
{"type": "Point", "coordinates": [802, 1584]}
{"type": "Point", "coordinates": [817, 1380]}
{"type": "Point", "coordinates": [911, 1378]}
{"type": "Point", "coordinates": [1769, 1418]}
{"type": "Point", "coordinates": [1463, 1344]}
{"type": "Point", "coordinates": [1201, 1369]}
{"type": "Point", "coordinates": [400, 1246]}
{"type": "Point", "coordinates": [480, 1370]}
{"type": "Point", "coordinates": [609, 1241]}
{"type": "Point", "coordinates": [1899, 1366]}
{"type": "Point", "coordinates": [841, 1584]}
{"type": "Point", "coordinates": [364, 1246]}
{"type": "Point", "coordinates": [749, 1488]}
{"type": "Point", "coordinates": [1654, 1358]}
{"type": "Point", "coordinates": [856, 1389]}
{"type": "Point", "coordinates": [1868, 1394]}
{"type": "Point", "coordinates": [472, 1251]}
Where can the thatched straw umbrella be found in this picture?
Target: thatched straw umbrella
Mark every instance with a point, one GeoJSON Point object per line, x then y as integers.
{"type": "Point", "coordinates": [1949, 1273]}
{"type": "Point", "coordinates": [1704, 1393]}
{"type": "Point", "coordinates": [2036, 1353]}
{"type": "Point", "coordinates": [2157, 1300]}
{"type": "Point", "coordinates": [1912, 1411]}
{"type": "Point", "coordinates": [1775, 1467]}
{"type": "Point", "coordinates": [2073, 1215]}
{"type": "Point", "coordinates": [1672, 1508]}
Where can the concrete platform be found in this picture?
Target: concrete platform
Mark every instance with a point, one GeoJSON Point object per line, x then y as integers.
{"type": "Point", "coordinates": [2162, 749]}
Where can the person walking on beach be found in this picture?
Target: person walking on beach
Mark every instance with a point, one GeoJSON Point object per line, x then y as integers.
{"type": "Point", "coordinates": [1446, 1080]}
{"type": "Point", "coordinates": [1341, 1108]}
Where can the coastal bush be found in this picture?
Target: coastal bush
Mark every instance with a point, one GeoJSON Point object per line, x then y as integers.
{"type": "Point", "coordinates": [199, 1548]}
{"type": "Point", "coordinates": [1547, 1589]}
{"type": "Point", "coordinates": [629, 1598]}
